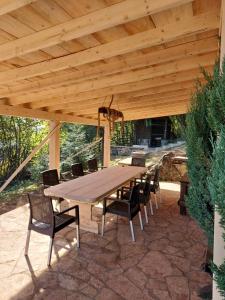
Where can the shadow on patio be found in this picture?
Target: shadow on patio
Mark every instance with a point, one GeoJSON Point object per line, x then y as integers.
{"type": "Point", "coordinates": [163, 263]}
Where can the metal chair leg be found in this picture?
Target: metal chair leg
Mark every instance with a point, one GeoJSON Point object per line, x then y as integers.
{"type": "Point", "coordinates": [132, 231]}
{"type": "Point", "coordinates": [103, 224]}
{"type": "Point", "coordinates": [78, 235]}
{"type": "Point", "coordinates": [50, 251]}
{"type": "Point", "coordinates": [140, 219]}
{"type": "Point", "coordinates": [27, 242]}
{"type": "Point", "coordinates": [146, 214]}
{"type": "Point", "coordinates": [150, 207]}
{"type": "Point", "coordinates": [156, 201]}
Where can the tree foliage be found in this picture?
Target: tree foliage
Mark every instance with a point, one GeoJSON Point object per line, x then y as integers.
{"type": "Point", "coordinates": [75, 138]}
{"type": "Point", "coordinates": [18, 136]}
{"type": "Point", "coordinates": [205, 136]}
{"type": "Point", "coordinates": [199, 149]}
{"type": "Point", "coordinates": [178, 124]}
{"type": "Point", "coordinates": [125, 139]}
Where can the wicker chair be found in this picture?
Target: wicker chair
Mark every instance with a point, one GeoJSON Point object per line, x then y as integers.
{"type": "Point", "coordinates": [93, 165]}
{"type": "Point", "coordinates": [145, 195]}
{"type": "Point", "coordinates": [154, 185]}
{"type": "Point", "coordinates": [45, 221]}
{"type": "Point", "coordinates": [77, 170]}
{"type": "Point", "coordinates": [51, 178]}
{"type": "Point", "coordinates": [125, 208]}
{"type": "Point", "coordinates": [138, 161]}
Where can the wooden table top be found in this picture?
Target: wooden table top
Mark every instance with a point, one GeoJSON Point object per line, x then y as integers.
{"type": "Point", "coordinates": [95, 186]}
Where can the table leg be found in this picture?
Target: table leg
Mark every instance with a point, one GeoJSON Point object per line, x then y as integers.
{"type": "Point", "coordinates": [86, 221]}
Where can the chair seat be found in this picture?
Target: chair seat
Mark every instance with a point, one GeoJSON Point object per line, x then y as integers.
{"type": "Point", "coordinates": [153, 187]}
{"type": "Point", "coordinates": [63, 220]}
{"type": "Point", "coordinates": [121, 209]}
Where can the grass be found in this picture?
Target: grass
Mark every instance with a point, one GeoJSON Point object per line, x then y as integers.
{"type": "Point", "coordinates": [16, 189]}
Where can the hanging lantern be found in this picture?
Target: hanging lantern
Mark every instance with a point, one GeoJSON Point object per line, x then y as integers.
{"type": "Point", "coordinates": [111, 115]}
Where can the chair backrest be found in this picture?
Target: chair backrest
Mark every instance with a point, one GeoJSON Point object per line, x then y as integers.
{"type": "Point", "coordinates": [147, 189]}
{"type": "Point", "coordinates": [138, 162]}
{"type": "Point", "coordinates": [77, 170]}
{"type": "Point", "coordinates": [41, 209]}
{"type": "Point", "coordinates": [50, 177]}
{"type": "Point", "coordinates": [92, 165]}
{"type": "Point", "coordinates": [156, 177]}
{"type": "Point", "coordinates": [135, 195]}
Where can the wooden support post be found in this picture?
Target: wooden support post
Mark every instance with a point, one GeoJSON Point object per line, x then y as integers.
{"type": "Point", "coordinates": [106, 155]}
{"type": "Point", "coordinates": [54, 147]}
{"type": "Point", "coordinates": [219, 245]}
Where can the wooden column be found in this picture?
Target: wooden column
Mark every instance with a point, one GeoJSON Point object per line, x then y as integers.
{"type": "Point", "coordinates": [219, 245]}
{"type": "Point", "coordinates": [106, 154]}
{"type": "Point", "coordinates": [54, 147]}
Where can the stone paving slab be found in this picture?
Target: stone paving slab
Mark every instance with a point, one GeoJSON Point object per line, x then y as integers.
{"type": "Point", "coordinates": [163, 263]}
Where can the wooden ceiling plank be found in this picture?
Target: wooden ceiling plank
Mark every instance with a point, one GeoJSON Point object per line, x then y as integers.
{"type": "Point", "coordinates": [157, 57]}
{"type": "Point", "coordinates": [157, 36]}
{"type": "Point", "coordinates": [122, 103]}
{"type": "Point", "coordinates": [156, 114]}
{"type": "Point", "coordinates": [85, 97]}
{"type": "Point", "coordinates": [7, 6]}
{"type": "Point", "coordinates": [134, 106]}
{"type": "Point", "coordinates": [168, 108]}
{"type": "Point", "coordinates": [127, 77]}
{"type": "Point", "coordinates": [96, 21]}
{"type": "Point", "coordinates": [155, 83]}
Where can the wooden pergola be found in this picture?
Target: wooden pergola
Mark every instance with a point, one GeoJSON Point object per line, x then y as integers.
{"type": "Point", "coordinates": [60, 60]}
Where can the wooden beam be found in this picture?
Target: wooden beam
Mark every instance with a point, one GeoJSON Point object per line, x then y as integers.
{"type": "Point", "coordinates": [128, 63]}
{"type": "Point", "coordinates": [30, 156]}
{"type": "Point", "coordinates": [102, 19]}
{"type": "Point", "coordinates": [54, 146]}
{"type": "Point", "coordinates": [149, 38]}
{"type": "Point", "coordinates": [128, 103]}
{"type": "Point", "coordinates": [40, 114]}
{"type": "Point", "coordinates": [124, 78]}
{"type": "Point", "coordinates": [169, 110]}
{"type": "Point", "coordinates": [154, 83]}
{"type": "Point", "coordinates": [158, 114]}
{"type": "Point", "coordinates": [6, 6]}
{"type": "Point", "coordinates": [127, 91]}
{"type": "Point", "coordinates": [106, 150]}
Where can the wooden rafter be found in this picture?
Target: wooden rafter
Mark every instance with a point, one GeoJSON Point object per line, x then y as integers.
{"type": "Point", "coordinates": [113, 15]}
{"type": "Point", "coordinates": [125, 103]}
{"type": "Point", "coordinates": [124, 78]}
{"type": "Point", "coordinates": [40, 114]}
{"type": "Point", "coordinates": [154, 83]}
{"type": "Point", "coordinates": [6, 6]}
{"type": "Point", "coordinates": [123, 92]}
{"type": "Point", "coordinates": [140, 60]}
{"type": "Point", "coordinates": [149, 38]}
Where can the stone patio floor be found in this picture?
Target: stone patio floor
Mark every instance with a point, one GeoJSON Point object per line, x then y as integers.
{"type": "Point", "coordinates": [164, 263]}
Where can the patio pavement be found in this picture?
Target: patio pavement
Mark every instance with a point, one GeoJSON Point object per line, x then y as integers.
{"type": "Point", "coordinates": [164, 263]}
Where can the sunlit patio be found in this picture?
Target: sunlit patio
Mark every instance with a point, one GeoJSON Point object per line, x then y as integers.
{"type": "Point", "coordinates": [164, 262]}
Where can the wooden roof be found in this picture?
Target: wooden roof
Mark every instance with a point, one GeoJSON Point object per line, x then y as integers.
{"type": "Point", "coordinates": [62, 59]}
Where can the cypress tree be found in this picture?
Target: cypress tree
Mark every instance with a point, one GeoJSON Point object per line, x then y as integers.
{"type": "Point", "coordinates": [199, 150]}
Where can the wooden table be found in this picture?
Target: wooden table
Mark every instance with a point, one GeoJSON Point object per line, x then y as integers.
{"type": "Point", "coordinates": [90, 189]}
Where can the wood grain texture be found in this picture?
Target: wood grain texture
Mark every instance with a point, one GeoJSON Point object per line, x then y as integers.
{"type": "Point", "coordinates": [93, 187]}
{"type": "Point", "coordinates": [102, 19]}
{"type": "Point", "coordinates": [149, 38]}
{"type": "Point", "coordinates": [6, 6]}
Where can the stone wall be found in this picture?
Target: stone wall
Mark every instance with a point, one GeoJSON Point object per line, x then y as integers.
{"type": "Point", "coordinates": [170, 171]}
